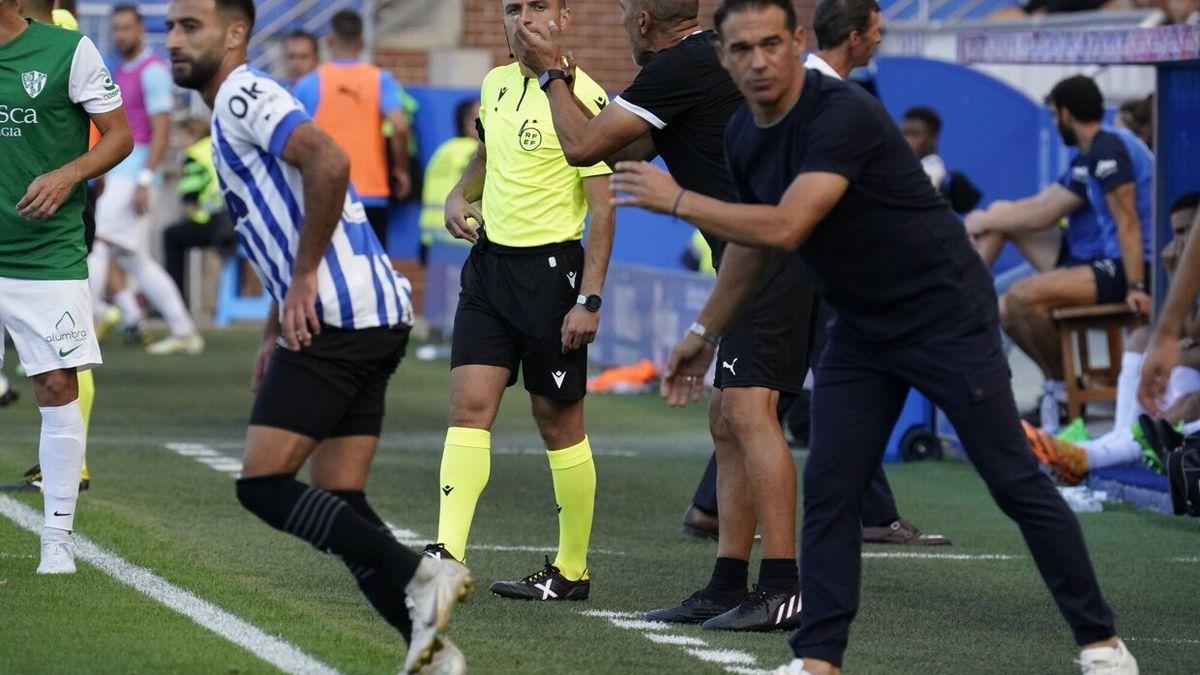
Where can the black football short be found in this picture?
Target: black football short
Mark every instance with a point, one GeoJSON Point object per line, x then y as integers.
{"type": "Point", "coordinates": [510, 314]}
{"type": "Point", "coordinates": [333, 388]}
{"type": "Point", "coordinates": [770, 343]}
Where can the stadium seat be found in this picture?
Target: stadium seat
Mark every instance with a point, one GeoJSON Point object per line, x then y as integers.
{"type": "Point", "coordinates": [1085, 382]}
{"type": "Point", "coordinates": [231, 304]}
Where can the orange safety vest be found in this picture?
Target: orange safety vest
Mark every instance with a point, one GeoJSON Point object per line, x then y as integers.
{"type": "Point", "coordinates": [348, 110]}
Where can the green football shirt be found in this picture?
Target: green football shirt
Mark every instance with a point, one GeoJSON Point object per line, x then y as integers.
{"type": "Point", "coordinates": [50, 80]}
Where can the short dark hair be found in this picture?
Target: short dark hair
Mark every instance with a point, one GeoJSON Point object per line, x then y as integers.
{"type": "Point", "coordinates": [243, 7]}
{"type": "Point", "coordinates": [927, 115]}
{"type": "Point", "coordinates": [346, 26]}
{"type": "Point", "coordinates": [132, 9]}
{"type": "Point", "coordinates": [835, 20]}
{"type": "Point", "coordinates": [672, 11]}
{"type": "Point", "coordinates": [301, 34]}
{"type": "Point", "coordinates": [1080, 96]}
{"type": "Point", "coordinates": [733, 6]}
{"type": "Point", "coordinates": [460, 111]}
{"type": "Point", "coordinates": [1186, 202]}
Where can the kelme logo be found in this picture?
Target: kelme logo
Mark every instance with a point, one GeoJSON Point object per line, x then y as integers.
{"type": "Point", "coordinates": [34, 82]}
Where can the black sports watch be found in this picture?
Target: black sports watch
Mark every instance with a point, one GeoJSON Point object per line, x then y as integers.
{"type": "Point", "coordinates": [1137, 286]}
{"type": "Point", "coordinates": [590, 302]}
{"type": "Point", "coordinates": [545, 78]}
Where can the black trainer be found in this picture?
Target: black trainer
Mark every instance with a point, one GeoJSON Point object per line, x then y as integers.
{"type": "Point", "coordinates": [762, 610]}
{"type": "Point", "coordinates": [698, 607]}
{"type": "Point", "coordinates": [438, 551]}
{"type": "Point", "coordinates": [547, 584]}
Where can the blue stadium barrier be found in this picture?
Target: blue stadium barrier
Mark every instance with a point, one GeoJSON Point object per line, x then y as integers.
{"type": "Point", "coordinates": [231, 304]}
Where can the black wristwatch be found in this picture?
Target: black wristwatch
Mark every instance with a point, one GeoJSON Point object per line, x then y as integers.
{"type": "Point", "coordinates": [545, 78]}
{"type": "Point", "coordinates": [1137, 286]}
{"type": "Point", "coordinates": [590, 302]}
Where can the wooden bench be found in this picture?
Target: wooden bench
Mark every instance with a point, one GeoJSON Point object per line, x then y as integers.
{"type": "Point", "coordinates": [1086, 383]}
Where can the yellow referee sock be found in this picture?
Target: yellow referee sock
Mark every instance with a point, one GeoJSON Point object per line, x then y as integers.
{"type": "Point", "coordinates": [466, 464]}
{"type": "Point", "coordinates": [87, 396]}
{"type": "Point", "coordinates": [575, 490]}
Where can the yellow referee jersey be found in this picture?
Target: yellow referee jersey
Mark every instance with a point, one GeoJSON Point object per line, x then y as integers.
{"type": "Point", "coordinates": [531, 196]}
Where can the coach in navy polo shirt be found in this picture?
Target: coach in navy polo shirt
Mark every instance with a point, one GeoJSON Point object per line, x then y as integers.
{"type": "Point", "coordinates": [822, 170]}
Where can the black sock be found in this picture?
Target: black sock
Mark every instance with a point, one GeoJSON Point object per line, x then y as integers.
{"type": "Point", "coordinates": [385, 597]}
{"type": "Point", "coordinates": [324, 521]}
{"type": "Point", "coordinates": [778, 574]}
{"type": "Point", "coordinates": [729, 576]}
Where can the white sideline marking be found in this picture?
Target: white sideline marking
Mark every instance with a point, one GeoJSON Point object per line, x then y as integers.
{"type": "Point", "coordinates": [206, 455]}
{"type": "Point", "coordinates": [1189, 559]}
{"type": "Point", "coordinates": [723, 656]}
{"type": "Point", "coordinates": [672, 639]}
{"type": "Point", "coordinates": [739, 670]}
{"type": "Point", "coordinates": [732, 660]}
{"type": "Point", "coordinates": [606, 614]}
{"type": "Point", "coordinates": [941, 556]}
{"type": "Point", "coordinates": [1169, 641]}
{"type": "Point", "coordinates": [638, 624]}
{"type": "Point", "coordinates": [275, 651]}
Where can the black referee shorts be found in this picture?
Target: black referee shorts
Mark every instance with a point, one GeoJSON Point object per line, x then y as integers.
{"type": "Point", "coordinates": [770, 343]}
{"type": "Point", "coordinates": [333, 388]}
{"type": "Point", "coordinates": [510, 314]}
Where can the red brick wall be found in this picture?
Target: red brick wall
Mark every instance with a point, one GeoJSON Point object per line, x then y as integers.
{"type": "Point", "coordinates": [595, 36]}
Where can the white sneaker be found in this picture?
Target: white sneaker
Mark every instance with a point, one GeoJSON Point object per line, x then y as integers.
{"type": "Point", "coordinates": [796, 667]}
{"type": "Point", "coordinates": [448, 660]}
{"type": "Point", "coordinates": [190, 345]}
{"type": "Point", "coordinates": [58, 552]}
{"type": "Point", "coordinates": [1108, 661]}
{"type": "Point", "coordinates": [435, 589]}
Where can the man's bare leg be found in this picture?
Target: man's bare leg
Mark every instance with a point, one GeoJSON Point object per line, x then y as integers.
{"type": "Point", "coordinates": [1028, 307]}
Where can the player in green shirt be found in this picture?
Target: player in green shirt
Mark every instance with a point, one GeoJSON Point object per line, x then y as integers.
{"type": "Point", "coordinates": [52, 81]}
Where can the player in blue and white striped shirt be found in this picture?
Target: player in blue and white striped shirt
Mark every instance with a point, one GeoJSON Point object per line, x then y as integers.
{"type": "Point", "coordinates": [338, 327]}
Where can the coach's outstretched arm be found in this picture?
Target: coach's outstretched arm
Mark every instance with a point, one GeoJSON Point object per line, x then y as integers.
{"type": "Point", "coordinates": [809, 198]}
{"type": "Point", "coordinates": [325, 169]}
{"type": "Point", "coordinates": [580, 325]}
{"type": "Point", "coordinates": [48, 191]}
{"type": "Point", "coordinates": [460, 203]}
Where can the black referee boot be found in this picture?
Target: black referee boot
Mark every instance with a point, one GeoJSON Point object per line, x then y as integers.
{"type": "Point", "coordinates": [439, 552]}
{"type": "Point", "coordinates": [545, 584]}
{"type": "Point", "coordinates": [764, 609]}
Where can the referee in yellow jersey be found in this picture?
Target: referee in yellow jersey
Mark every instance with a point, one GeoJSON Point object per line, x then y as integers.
{"type": "Point", "coordinates": [530, 299]}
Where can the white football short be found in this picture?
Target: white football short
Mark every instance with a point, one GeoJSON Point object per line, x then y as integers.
{"type": "Point", "coordinates": [50, 323]}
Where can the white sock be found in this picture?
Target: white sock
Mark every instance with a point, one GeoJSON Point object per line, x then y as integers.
{"type": "Point", "coordinates": [1112, 449]}
{"type": "Point", "coordinates": [97, 262]}
{"type": "Point", "coordinates": [60, 455]}
{"type": "Point", "coordinates": [1183, 381]}
{"type": "Point", "coordinates": [3, 381]}
{"type": "Point", "coordinates": [1128, 407]}
{"type": "Point", "coordinates": [1191, 427]}
{"type": "Point", "coordinates": [161, 291]}
{"type": "Point", "coordinates": [131, 310]}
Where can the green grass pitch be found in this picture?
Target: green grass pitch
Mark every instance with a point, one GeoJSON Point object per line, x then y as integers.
{"type": "Point", "coordinates": [178, 517]}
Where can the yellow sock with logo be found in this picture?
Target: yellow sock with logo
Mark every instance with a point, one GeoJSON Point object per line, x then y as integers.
{"type": "Point", "coordinates": [87, 396]}
{"type": "Point", "coordinates": [466, 464]}
{"type": "Point", "coordinates": [575, 491]}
